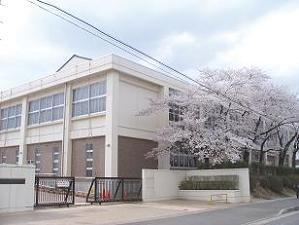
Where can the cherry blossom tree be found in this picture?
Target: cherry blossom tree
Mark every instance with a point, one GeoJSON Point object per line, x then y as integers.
{"type": "Point", "coordinates": [218, 117]}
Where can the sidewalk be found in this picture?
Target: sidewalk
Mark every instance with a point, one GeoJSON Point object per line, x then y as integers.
{"type": "Point", "coordinates": [107, 214]}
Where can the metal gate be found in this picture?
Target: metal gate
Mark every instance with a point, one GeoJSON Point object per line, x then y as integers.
{"type": "Point", "coordinates": [54, 191]}
{"type": "Point", "coordinates": [113, 189]}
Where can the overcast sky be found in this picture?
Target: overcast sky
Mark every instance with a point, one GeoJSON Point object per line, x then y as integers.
{"type": "Point", "coordinates": [188, 35]}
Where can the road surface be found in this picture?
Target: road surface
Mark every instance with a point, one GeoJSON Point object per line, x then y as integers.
{"type": "Point", "coordinates": [247, 214]}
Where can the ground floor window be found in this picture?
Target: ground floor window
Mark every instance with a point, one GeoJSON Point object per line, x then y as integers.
{"type": "Point", "coordinates": [37, 158]}
{"type": "Point", "coordinates": [17, 156]}
{"type": "Point", "coordinates": [89, 159]}
{"type": "Point", "coordinates": [3, 157]}
{"type": "Point", "coordinates": [55, 161]}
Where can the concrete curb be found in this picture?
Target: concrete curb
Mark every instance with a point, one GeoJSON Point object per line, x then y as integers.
{"type": "Point", "coordinates": [288, 210]}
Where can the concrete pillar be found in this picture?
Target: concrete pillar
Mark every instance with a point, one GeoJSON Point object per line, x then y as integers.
{"type": "Point", "coordinates": [23, 130]}
{"type": "Point", "coordinates": [66, 155]}
{"type": "Point", "coordinates": [250, 157]}
{"type": "Point", "coordinates": [111, 138]}
{"type": "Point", "coordinates": [164, 160]}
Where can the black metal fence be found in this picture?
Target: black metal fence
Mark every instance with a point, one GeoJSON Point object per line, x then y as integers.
{"type": "Point", "coordinates": [113, 189]}
{"type": "Point", "coordinates": [54, 191]}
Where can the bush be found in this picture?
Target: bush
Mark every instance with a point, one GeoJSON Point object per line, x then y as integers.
{"type": "Point", "coordinates": [264, 182]}
{"type": "Point", "coordinates": [223, 165]}
{"type": "Point", "coordinates": [274, 183]}
{"type": "Point", "coordinates": [253, 182]}
{"type": "Point", "coordinates": [208, 185]}
{"type": "Point", "coordinates": [287, 182]}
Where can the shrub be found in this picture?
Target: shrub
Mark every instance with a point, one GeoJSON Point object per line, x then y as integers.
{"type": "Point", "coordinates": [287, 182]}
{"type": "Point", "coordinates": [264, 182]}
{"type": "Point", "coordinates": [208, 185]}
{"type": "Point", "coordinates": [276, 183]}
{"type": "Point", "coordinates": [253, 182]}
{"type": "Point", "coordinates": [294, 180]}
{"type": "Point", "coordinates": [223, 165]}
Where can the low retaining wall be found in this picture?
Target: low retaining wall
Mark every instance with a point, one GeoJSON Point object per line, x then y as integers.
{"type": "Point", "coordinates": [230, 196]}
{"type": "Point", "coordinates": [16, 187]}
{"type": "Point", "coordinates": [162, 184]}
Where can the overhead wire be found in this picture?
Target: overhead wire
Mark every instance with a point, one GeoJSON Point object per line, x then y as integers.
{"type": "Point", "coordinates": [124, 47]}
{"type": "Point", "coordinates": [104, 39]}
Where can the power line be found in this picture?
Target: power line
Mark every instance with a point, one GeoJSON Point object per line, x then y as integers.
{"type": "Point", "coordinates": [125, 45]}
{"type": "Point", "coordinates": [104, 39]}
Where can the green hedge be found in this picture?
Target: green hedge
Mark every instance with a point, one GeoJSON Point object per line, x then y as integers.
{"type": "Point", "coordinates": [204, 184]}
{"type": "Point", "coordinates": [273, 182]}
{"type": "Point", "coordinates": [256, 168]}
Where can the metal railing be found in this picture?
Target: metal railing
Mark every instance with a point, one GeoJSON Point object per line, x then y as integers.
{"type": "Point", "coordinates": [113, 189]}
{"type": "Point", "coordinates": [54, 191]}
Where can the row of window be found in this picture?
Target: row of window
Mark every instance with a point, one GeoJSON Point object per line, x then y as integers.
{"type": "Point", "coordinates": [87, 100]}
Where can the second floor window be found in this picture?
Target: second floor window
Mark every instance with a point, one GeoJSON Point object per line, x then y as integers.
{"type": "Point", "coordinates": [11, 117]}
{"type": "Point", "coordinates": [89, 99]}
{"type": "Point", "coordinates": [46, 109]}
{"type": "Point", "coordinates": [175, 111]}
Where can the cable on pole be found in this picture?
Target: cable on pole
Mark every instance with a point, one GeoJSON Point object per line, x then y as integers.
{"type": "Point", "coordinates": [124, 46]}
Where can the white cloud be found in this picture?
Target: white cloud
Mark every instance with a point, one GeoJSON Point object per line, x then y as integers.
{"type": "Point", "coordinates": [169, 45]}
{"type": "Point", "coordinates": [272, 42]}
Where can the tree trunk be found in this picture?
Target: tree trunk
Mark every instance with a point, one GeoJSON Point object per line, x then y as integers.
{"type": "Point", "coordinates": [294, 159]}
{"type": "Point", "coordinates": [283, 152]}
{"type": "Point", "coordinates": [282, 156]}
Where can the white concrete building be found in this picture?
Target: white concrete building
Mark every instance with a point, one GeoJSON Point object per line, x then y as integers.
{"type": "Point", "coordinates": [81, 121]}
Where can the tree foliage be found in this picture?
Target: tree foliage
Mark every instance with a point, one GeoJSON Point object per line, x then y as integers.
{"type": "Point", "coordinates": [235, 110]}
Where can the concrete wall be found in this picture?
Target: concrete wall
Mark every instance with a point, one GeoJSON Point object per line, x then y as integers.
{"type": "Point", "coordinates": [135, 96]}
{"type": "Point", "coordinates": [17, 197]}
{"type": "Point", "coordinates": [163, 184]}
{"type": "Point", "coordinates": [229, 196]}
{"type": "Point", "coordinates": [159, 184]}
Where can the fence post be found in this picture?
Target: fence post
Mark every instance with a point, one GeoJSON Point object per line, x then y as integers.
{"type": "Point", "coordinates": [122, 188]}
{"type": "Point", "coordinates": [74, 192]}
{"type": "Point", "coordinates": [96, 191]}
{"type": "Point", "coordinates": [36, 190]}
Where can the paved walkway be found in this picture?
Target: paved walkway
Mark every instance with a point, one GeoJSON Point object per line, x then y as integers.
{"type": "Point", "coordinates": [107, 214]}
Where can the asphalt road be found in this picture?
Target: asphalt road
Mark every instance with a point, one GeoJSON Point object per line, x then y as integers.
{"type": "Point", "coordinates": [256, 214]}
{"type": "Point", "coordinates": [290, 219]}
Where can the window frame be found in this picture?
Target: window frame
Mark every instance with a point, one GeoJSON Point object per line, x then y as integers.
{"type": "Point", "coordinates": [89, 159]}
{"type": "Point", "coordinates": [40, 110]}
{"type": "Point", "coordinates": [56, 161]}
{"type": "Point", "coordinates": [101, 97]}
{"type": "Point", "coordinates": [17, 116]}
{"type": "Point", "coordinates": [175, 112]}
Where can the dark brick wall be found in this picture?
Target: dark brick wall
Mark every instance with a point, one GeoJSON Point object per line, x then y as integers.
{"type": "Point", "coordinates": [131, 156]}
{"type": "Point", "coordinates": [79, 157]}
{"type": "Point", "coordinates": [10, 153]}
{"type": "Point", "coordinates": [46, 157]}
